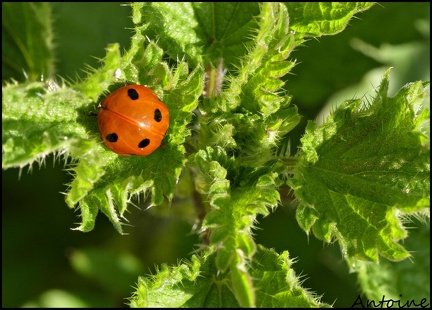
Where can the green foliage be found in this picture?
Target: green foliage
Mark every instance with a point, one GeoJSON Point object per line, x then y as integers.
{"type": "Point", "coordinates": [406, 278]}
{"type": "Point", "coordinates": [351, 174]}
{"type": "Point", "coordinates": [196, 284]}
{"type": "Point", "coordinates": [27, 49]}
{"type": "Point", "coordinates": [318, 19]}
{"type": "Point", "coordinates": [354, 177]}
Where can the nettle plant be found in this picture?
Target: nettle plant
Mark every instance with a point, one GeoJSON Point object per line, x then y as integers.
{"type": "Point", "coordinates": [219, 67]}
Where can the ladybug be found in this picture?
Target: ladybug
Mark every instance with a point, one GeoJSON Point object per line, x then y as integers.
{"type": "Point", "coordinates": [133, 121]}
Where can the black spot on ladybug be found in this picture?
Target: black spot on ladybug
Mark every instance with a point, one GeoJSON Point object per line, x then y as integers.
{"type": "Point", "coordinates": [112, 137]}
{"type": "Point", "coordinates": [133, 94]}
{"type": "Point", "coordinates": [157, 115]}
{"type": "Point", "coordinates": [143, 143]}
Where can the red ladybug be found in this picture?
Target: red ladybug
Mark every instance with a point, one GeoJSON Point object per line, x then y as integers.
{"type": "Point", "coordinates": [133, 121]}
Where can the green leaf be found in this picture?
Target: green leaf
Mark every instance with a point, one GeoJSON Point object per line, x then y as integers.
{"type": "Point", "coordinates": [250, 115]}
{"type": "Point", "coordinates": [196, 284]}
{"type": "Point", "coordinates": [127, 176]}
{"type": "Point", "coordinates": [409, 278]}
{"type": "Point", "coordinates": [173, 26]}
{"type": "Point", "coordinates": [360, 169]}
{"type": "Point", "coordinates": [234, 209]}
{"type": "Point", "coordinates": [242, 283]}
{"type": "Point", "coordinates": [48, 119]}
{"type": "Point", "coordinates": [257, 81]}
{"type": "Point", "coordinates": [227, 28]}
{"type": "Point", "coordinates": [26, 41]}
{"type": "Point", "coordinates": [248, 118]}
{"type": "Point", "coordinates": [278, 285]}
{"type": "Point", "coordinates": [191, 284]}
{"type": "Point", "coordinates": [315, 19]}
{"type": "Point", "coordinates": [56, 119]}
{"type": "Point", "coordinates": [200, 32]}
{"type": "Point", "coordinates": [234, 205]}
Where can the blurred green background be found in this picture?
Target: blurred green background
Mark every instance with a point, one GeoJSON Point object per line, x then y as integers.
{"type": "Point", "coordinates": [45, 263]}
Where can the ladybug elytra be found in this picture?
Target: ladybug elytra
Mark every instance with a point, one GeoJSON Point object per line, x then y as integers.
{"type": "Point", "coordinates": [133, 121]}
